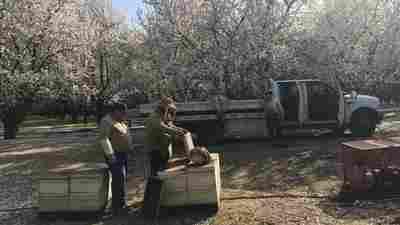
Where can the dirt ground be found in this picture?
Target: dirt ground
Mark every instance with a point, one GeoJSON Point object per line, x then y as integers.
{"type": "Point", "coordinates": [287, 181]}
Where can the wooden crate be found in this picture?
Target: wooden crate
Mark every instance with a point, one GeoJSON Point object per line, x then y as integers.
{"type": "Point", "coordinates": [53, 193]}
{"type": "Point", "coordinates": [360, 157]}
{"type": "Point", "coordinates": [185, 185]}
{"type": "Point", "coordinates": [364, 152]}
{"type": "Point", "coordinates": [78, 187]}
{"type": "Point", "coordinates": [393, 156]}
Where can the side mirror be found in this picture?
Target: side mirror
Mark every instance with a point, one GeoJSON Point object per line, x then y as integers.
{"type": "Point", "coordinates": [353, 94]}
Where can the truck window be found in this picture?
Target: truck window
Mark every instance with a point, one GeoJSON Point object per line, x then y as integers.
{"type": "Point", "coordinates": [323, 101]}
{"type": "Point", "coordinates": [289, 97]}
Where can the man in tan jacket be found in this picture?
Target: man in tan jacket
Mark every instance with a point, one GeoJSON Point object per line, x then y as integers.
{"type": "Point", "coordinates": [115, 142]}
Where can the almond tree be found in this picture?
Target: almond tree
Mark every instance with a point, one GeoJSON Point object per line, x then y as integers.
{"type": "Point", "coordinates": [113, 51]}
{"type": "Point", "coordinates": [229, 44]}
{"type": "Point", "coordinates": [40, 40]}
{"type": "Point", "coordinates": [344, 39]}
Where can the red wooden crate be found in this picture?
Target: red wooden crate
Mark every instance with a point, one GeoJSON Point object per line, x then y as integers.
{"type": "Point", "coordinates": [360, 157]}
{"type": "Point", "coordinates": [393, 155]}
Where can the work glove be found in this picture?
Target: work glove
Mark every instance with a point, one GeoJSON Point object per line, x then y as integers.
{"type": "Point", "coordinates": [182, 131]}
{"type": "Point", "coordinates": [185, 131]}
{"type": "Point", "coordinates": [179, 132]}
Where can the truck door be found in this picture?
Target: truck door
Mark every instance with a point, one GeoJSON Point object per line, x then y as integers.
{"type": "Point", "coordinates": [323, 103]}
{"type": "Point", "coordinates": [289, 96]}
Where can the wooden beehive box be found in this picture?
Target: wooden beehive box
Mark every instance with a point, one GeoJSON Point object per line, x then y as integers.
{"type": "Point", "coordinates": [393, 156]}
{"type": "Point", "coordinates": [78, 187]}
{"type": "Point", "coordinates": [359, 157]}
{"type": "Point", "coordinates": [364, 152]}
{"type": "Point", "coordinates": [192, 185]}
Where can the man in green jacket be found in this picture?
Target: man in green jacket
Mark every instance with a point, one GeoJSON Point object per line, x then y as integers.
{"type": "Point", "coordinates": [273, 113]}
{"type": "Point", "coordinates": [159, 134]}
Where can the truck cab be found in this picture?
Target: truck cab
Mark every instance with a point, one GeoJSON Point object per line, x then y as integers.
{"type": "Point", "coordinates": [318, 104]}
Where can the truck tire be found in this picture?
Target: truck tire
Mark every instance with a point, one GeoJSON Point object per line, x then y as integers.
{"type": "Point", "coordinates": [363, 123]}
{"type": "Point", "coordinates": [339, 131]}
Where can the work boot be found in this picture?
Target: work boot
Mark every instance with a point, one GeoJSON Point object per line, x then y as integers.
{"type": "Point", "coordinates": [120, 211]}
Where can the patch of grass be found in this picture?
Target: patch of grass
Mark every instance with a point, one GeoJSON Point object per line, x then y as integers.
{"type": "Point", "coordinates": [38, 121]}
{"type": "Point", "coordinates": [24, 167]}
{"type": "Point", "coordinates": [77, 125]}
{"type": "Point", "coordinates": [74, 153]}
{"type": "Point", "coordinates": [84, 153]}
{"type": "Point", "coordinates": [34, 153]}
{"type": "Point", "coordinates": [41, 122]}
{"type": "Point", "coordinates": [300, 169]}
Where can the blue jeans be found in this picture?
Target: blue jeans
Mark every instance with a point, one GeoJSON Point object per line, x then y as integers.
{"type": "Point", "coordinates": [119, 171]}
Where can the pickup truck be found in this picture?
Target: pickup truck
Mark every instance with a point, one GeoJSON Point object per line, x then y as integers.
{"type": "Point", "coordinates": [305, 103]}
{"type": "Point", "coordinates": [314, 103]}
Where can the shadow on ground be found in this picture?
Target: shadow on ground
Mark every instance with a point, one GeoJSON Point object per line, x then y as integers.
{"type": "Point", "coordinates": [291, 163]}
{"type": "Point", "coordinates": [377, 212]}
{"type": "Point", "coordinates": [172, 216]}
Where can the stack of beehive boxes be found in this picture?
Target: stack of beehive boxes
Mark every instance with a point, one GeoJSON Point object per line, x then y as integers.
{"type": "Point", "coordinates": [79, 187]}
{"type": "Point", "coordinates": [192, 185]}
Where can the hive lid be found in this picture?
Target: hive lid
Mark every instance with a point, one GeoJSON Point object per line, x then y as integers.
{"type": "Point", "coordinates": [177, 161]}
{"type": "Point", "coordinates": [181, 169]}
{"type": "Point", "coordinates": [174, 171]}
{"type": "Point", "coordinates": [370, 144]}
{"type": "Point", "coordinates": [77, 168]}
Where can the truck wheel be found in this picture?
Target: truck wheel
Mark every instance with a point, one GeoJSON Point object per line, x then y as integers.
{"type": "Point", "coordinates": [363, 123]}
{"type": "Point", "coordinates": [339, 131]}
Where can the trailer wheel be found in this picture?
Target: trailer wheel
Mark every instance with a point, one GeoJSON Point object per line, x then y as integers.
{"type": "Point", "coordinates": [363, 123]}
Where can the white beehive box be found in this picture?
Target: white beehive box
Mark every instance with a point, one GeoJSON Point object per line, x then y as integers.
{"type": "Point", "coordinates": [192, 185]}
{"type": "Point", "coordinates": [78, 187]}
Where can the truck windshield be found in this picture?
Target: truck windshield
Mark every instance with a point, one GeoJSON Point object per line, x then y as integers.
{"type": "Point", "coordinates": [287, 89]}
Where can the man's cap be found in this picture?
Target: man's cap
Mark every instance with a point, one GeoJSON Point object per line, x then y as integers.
{"type": "Point", "coordinates": [167, 102]}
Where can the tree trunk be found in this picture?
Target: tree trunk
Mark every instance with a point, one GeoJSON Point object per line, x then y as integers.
{"type": "Point", "coordinates": [10, 130]}
{"type": "Point", "coordinates": [99, 109]}
{"type": "Point", "coordinates": [64, 110]}
{"type": "Point", "coordinates": [74, 116]}
{"type": "Point", "coordinates": [227, 81]}
{"type": "Point", "coordinates": [74, 112]}
{"type": "Point", "coordinates": [10, 125]}
{"type": "Point", "coordinates": [85, 113]}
